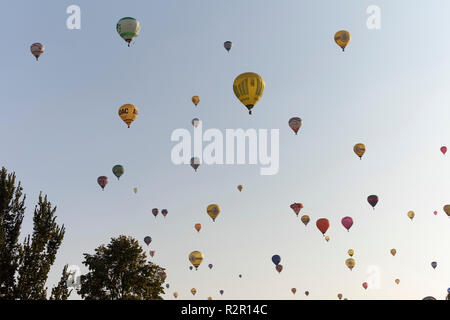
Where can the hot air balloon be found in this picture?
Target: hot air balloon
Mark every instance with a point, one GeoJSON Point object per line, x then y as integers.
{"type": "Point", "coordinates": [443, 149]}
{"type": "Point", "coordinates": [155, 212]}
{"type": "Point", "coordinates": [323, 225]}
{"type": "Point", "coordinates": [365, 285]}
{"type": "Point", "coordinates": [193, 291]}
{"type": "Point", "coordinates": [248, 88]}
{"type": "Point", "coordinates": [175, 294]}
{"type": "Point", "coordinates": [411, 215]}
{"type": "Point", "coordinates": [195, 100]}
{"type": "Point", "coordinates": [435, 212]}
{"type": "Point", "coordinates": [213, 211]}
{"type": "Point", "coordinates": [128, 28]}
{"type": "Point", "coordinates": [350, 263]}
{"type": "Point", "coordinates": [167, 286]}
{"type": "Point", "coordinates": [434, 264]}
{"type": "Point", "coordinates": [37, 49]}
{"type": "Point", "coordinates": [239, 187]}
{"type": "Point", "coordinates": [359, 149]}
{"type": "Point", "coordinates": [306, 293]}
{"type": "Point", "coordinates": [210, 266]}
{"type": "Point", "coordinates": [240, 276]}
{"type": "Point", "coordinates": [197, 227]}
{"type": "Point", "coordinates": [347, 222]}
{"type": "Point", "coordinates": [221, 292]}
{"type": "Point", "coordinates": [429, 298]}
{"type": "Point", "coordinates": [351, 252]}
{"type": "Point", "coordinates": [128, 113]}
{"type": "Point", "coordinates": [327, 238]}
{"type": "Point", "coordinates": [164, 212]}
{"type": "Point", "coordinates": [196, 258]}
{"type": "Point", "coordinates": [342, 38]}
{"type": "Point", "coordinates": [397, 281]}
{"type": "Point", "coordinates": [279, 268]}
{"type": "Point", "coordinates": [191, 267]}
{"type": "Point", "coordinates": [152, 253]}
{"type": "Point", "coordinates": [293, 290]}
{"type": "Point", "coordinates": [305, 219]}
{"type": "Point", "coordinates": [447, 209]}
{"type": "Point", "coordinates": [118, 171]}
{"type": "Point", "coordinates": [296, 207]}
{"type": "Point", "coordinates": [102, 181]}
{"type": "Point", "coordinates": [393, 252]}
{"type": "Point", "coordinates": [339, 296]}
{"type": "Point", "coordinates": [295, 124]}
{"type": "Point", "coordinates": [276, 259]}
{"type": "Point", "coordinates": [373, 200]}
{"type": "Point", "coordinates": [227, 45]}
{"type": "Point", "coordinates": [147, 240]}
{"type": "Point", "coordinates": [195, 122]}
{"type": "Point", "coordinates": [210, 298]}
{"type": "Point", "coordinates": [195, 163]}
{"type": "Point", "coordinates": [135, 190]}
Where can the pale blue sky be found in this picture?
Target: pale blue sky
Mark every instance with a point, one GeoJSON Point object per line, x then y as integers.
{"type": "Point", "coordinates": [389, 90]}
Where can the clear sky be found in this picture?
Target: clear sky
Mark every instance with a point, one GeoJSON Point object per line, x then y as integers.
{"type": "Point", "coordinates": [390, 90]}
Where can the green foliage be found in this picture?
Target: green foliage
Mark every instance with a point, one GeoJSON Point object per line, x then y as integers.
{"type": "Point", "coordinates": [120, 271]}
{"type": "Point", "coordinates": [61, 291]}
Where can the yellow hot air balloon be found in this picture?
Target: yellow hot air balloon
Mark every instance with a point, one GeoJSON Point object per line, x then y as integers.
{"type": "Point", "coordinates": [411, 215]}
{"type": "Point", "coordinates": [195, 100]}
{"type": "Point", "coordinates": [359, 149]}
{"type": "Point", "coordinates": [193, 291]}
{"type": "Point", "coordinates": [239, 187]}
{"type": "Point", "coordinates": [350, 263]}
{"type": "Point", "coordinates": [397, 281]}
{"type": "Point", "coordinates": [213, 211]}
{"type": "Point", "coordinates": [393, 252]}
{"type": "Point", "coordinates": [209, 298]}
{"type": "Point", "coordinates": [342, 38]}
{"type": "Point", "coordinates": [351, 252]}
{"type": "Point", "coordinates": [196, 258]}
{"type": "Point", "coordinates": [327, 238]}
{"type": "Point", "coordinates": [248, 88]}
{"type": "Point", "coordinates": [447, 209]}
{"type": "Point", "coordinates": [175, 294]}
{"type": "Point", "coordinates": [305, 219]}
{"type": "Point", "coordinates": [128, 113]}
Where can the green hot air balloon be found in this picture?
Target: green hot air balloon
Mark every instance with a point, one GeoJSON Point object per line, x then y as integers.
{"type": "Point", "coordinates": [128, 28]}
{"type": "Point", "coordinates": [118, 171]}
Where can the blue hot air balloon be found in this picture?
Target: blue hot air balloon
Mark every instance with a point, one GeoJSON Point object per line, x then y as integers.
{"type": "Point", "coordinates": [276, 259]}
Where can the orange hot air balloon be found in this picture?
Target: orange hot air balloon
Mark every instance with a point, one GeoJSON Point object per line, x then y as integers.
{"type": "Point", "coordinates": [198, 226]}
{"type": "Point", "coordinates": [296, 207]}
{"type": "Point", "coordinates": [323, 225]}
{"type": "Point", "coordinates": [305, 219]}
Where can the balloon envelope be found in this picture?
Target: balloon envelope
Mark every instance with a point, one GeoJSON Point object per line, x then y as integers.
{"type": "Point", "coordinates": [227, 45]}
{"type": "Point", "coordinates": [248, 88]}
{"type": "Point", "coordinates": [350, 263]}
{"type": "Point", "coordinates": [164, 212]}
{"type": "Point", "coordinates": [279, 268]}
{"type": "Point", "coordinates": [195, 100]}
{"type": "Point", "coordinates": [447, 209]}
{"type": "Point", "coordinates": [128, 113]}
{"type": "Point", "coordinates": [342, 38]}
{"type": "Point", "coordinates": [359, 149]}
{"type": "Point", "coordinates": [118, 171]}
{"type": "Point", "coordinates": [213, 211]}
{"type": "Point", "coordinates": [323, 225]}
{"type": "Point", "coordinates": [434, 264]}
{"type": "Point", "coordinates": [195, 163]}
{"type": "Point", "coordinates": [347, 222]}
{"type": "Point", "coordinates": [197, 227]}
{"type": "Point", "coordinates": [276, 259]}
{"type": "Point", "coordinates": [147, 240]}
{"type": "Point", "coordinates": [196, 258]}
{"type": "Point", "coordinates": [295, 124]}
{"type": "Point", "coordinates": [296, 207]}
{"type": "Point", "coordinates": [37, 49]}
{"type": "Point", "coordinates": [305, 219]}
{"type": "Point", "coordinates": [102, 181]}
{"type": "Point", "coordinates": [155, 212]}
{"type": "Point", "coordinates": [443, 149]}
{"type": "Point", "coordinates": [365, 285]}
{"type": "Point", "coordinates": [128, 28]}
{"type": "Point", "coordinates": [373, 200]}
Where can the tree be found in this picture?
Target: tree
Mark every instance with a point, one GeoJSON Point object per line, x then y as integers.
{"type": "Point", "coordinates": [61, 291]}
{"type": "Point", "coordinates": [120, 271]}
{"type": "Point", "coordinates": [24, 267]}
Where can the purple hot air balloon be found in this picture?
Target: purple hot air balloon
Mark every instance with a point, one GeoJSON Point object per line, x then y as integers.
{"type": "Point", "coordinates": [347, 222]}
{"type": "Point", "coordinates": [373, 200]}
{"type": "Point", "coordinates": [147, 240]}
{"type": "Point", "coordinates": [210, 265]}
{"type": "Point", "coordinates": [102, 181]}
{"type": "Point", "coordinates": [191, 267]}
{"type": "Point", "coordinates": [221, 292]}
{"type": "Point", "coordinates": [155, 212]}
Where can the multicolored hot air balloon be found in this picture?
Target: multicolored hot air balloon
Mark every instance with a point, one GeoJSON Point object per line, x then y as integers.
{"type": "Point", "coordinates": [102, 181]}
{"type": "Point", "coordinates": [128, 28]}
{"type": "Point", "coordinates": [195, 163]}
{"type": "Point", "coordinates": [227, 45]}
{"type": "Point", "coordinates": [195, 100]}
{"type": "Point", "coordinates": [196, 258]}
{"type": "Point", "coordinates": [37, 49]}
{"type": "Point", "coordinates": [305, 219]}
{"type": "Point", "coordinates": [347, 222]}
{"type": "Point", "coordinates": [342, 38]}
{"type": "Point", "coordinates": [359, 149]}
{"type": "Point", "coordinates": [295, 124]}
{"type": "Point", "coordinates": [373, 200]}
{"type": "Point", "coordinates": [279, 268]}
{"type": "Point", "coordinates": [327, 238]}
{"type": "Point", "coordinates": [296, 207]}
{"type": "Point", "coordinates": [276, 259]}
{"type": "Point", "coordinates": [155, 211]}
{"type": "Point", "coordinates": [193, 291]}
{"type": "Point", "coordinates": [444, 150]}
{"type": "Point", "coordinates": [164, 212]}
{"type": "Point", "coordinates": [198, 226]}
{"type": "Point", "coordinates": [323, 225]}
{"type": "Point", "coordinates": [248, 88]}
{"type": "Point", "coordinates": [411, 214]}
{"type": "Point", "coordinates": [128, 113]}
{"type": "Point", "coordinates": [213, 211]}
{"type": "Point", "coordinates": [147, 240]}
{"type": "Point", "coordinates": [118, 171]}
{"type": "Point", "coordinates": [350, 263]}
